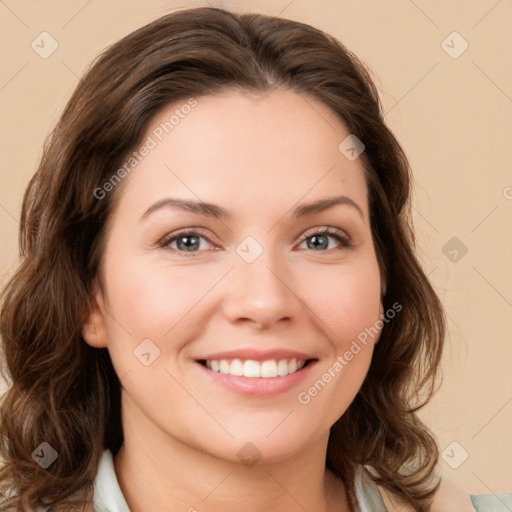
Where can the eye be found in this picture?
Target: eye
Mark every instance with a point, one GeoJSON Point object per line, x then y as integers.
{"type": "Point", "coordinates": [318, 239]}
{"type": "Point", "coordinates": [195, 240]}
{"type": "Point", "coordinates": [186, 241]}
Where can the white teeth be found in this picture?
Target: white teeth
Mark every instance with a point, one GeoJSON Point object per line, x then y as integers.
{"type": "Point", "coordinates": [282, 367]}
{"type": "Point", "coordinates": [236, 368]}
{"type": "Point", "coordinates": [224, 366]}
{"type": "Point", "coordinates": [268, 369]}
{"type": "Point", "coordinates": [250, 368]}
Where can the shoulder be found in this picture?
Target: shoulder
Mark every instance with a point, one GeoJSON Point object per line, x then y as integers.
{"type": "Point", "coordinates": [450, 496]}
{"type": "Point", "coordinates": [500, 502]}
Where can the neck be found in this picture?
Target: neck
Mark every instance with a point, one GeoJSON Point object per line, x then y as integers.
{"type": "Point", "coordinates": [184, 478]}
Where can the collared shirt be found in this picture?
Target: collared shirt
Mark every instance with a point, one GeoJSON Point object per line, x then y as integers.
{"type": "Point", "coordinates": [109, 498]}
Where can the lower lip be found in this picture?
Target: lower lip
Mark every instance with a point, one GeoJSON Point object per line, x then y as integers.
{"type": "Point", "coordinates": [258, 386]}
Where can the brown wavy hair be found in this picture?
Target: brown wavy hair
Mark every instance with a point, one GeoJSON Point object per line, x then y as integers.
{"type": "Point", "coordinates": [66, 393]}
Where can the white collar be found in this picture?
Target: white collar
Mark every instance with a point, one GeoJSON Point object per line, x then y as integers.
{"type": "Point", "coordinates": [107, 493]}
{"type": "Point", "coordinates": [109, 498]}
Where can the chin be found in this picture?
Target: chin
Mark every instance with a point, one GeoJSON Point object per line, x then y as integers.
{"type": "Point", "coordinates": [259, 447]}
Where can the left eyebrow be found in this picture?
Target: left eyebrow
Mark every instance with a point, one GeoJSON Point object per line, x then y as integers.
{"type": "Point", "coordinates": [324, 204]}
{"type": "Point", "coordinates": [215, 211]}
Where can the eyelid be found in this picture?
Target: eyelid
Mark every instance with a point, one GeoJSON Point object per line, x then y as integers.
{"type": "Point", "coordinates": [330, 230]}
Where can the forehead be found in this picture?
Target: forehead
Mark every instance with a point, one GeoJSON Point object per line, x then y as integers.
{"type": "Point", "coordinates": [244, 150]}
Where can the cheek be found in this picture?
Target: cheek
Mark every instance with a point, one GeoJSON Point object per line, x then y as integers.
{"type": "Point", "coordinates": [156, 302]}
{"type": "Point", "coordinates": [154, 298]}
{"type": "Point", "coordinates": [349, 309]}
{"type": "Point", "coordinates": [347, 301]}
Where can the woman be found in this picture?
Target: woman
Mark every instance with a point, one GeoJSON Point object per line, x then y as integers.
{"type": "Point", "coordinates": [218, 304]}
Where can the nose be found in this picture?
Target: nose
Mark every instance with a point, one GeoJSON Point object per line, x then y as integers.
{"type": "Point", "coordinates": [261, 294]}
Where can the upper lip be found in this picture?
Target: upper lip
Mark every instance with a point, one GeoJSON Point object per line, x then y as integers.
{"type": "Point", "coordinates": [257, 355]}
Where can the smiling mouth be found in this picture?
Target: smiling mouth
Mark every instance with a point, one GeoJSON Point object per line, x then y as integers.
{"type": "Point", "coordinates": [267, 369]}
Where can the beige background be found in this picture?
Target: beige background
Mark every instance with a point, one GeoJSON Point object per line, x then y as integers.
{"type": "Point", "coordinates": [452, 115]}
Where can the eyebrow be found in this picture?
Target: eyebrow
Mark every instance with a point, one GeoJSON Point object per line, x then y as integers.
{"type": "Point", "coordinates": [215, 211]}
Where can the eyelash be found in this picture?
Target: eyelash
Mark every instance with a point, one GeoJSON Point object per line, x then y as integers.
{"type": "Point", "coordinates": [344, 241]}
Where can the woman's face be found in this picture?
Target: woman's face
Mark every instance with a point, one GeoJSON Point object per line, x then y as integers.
{"type": "Point", "coordinates": [240, 321]}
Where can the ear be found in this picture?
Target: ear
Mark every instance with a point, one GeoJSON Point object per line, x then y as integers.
{"type": "Point", "coordinates": [94, 330]}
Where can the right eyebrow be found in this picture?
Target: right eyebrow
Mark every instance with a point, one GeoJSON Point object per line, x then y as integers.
{"type": "Point", "coordinates": [199, 207]}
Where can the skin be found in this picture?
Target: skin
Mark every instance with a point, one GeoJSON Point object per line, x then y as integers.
{"type": "Point", "coordinates": [259, 156]}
